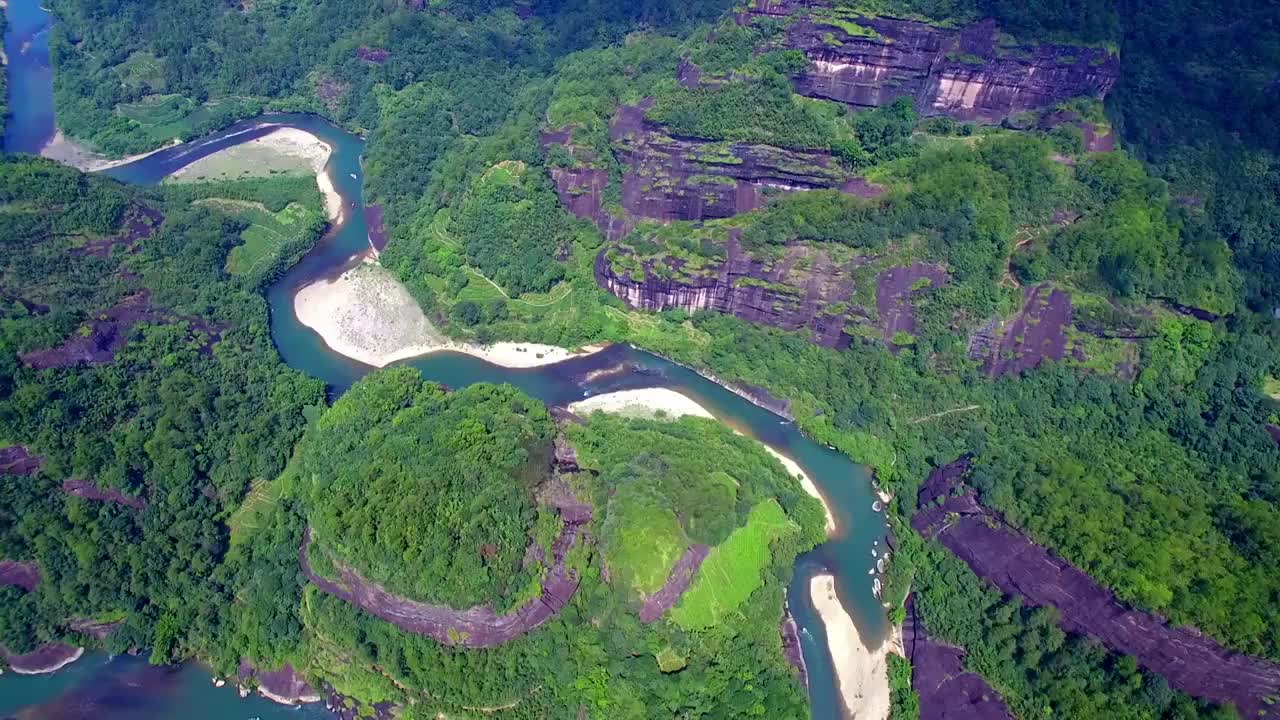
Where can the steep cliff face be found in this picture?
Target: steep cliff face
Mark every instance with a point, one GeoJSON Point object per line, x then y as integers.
{"type": "Point", "coordinates": [669, 178]}
{"type": "Point", "coordinates": [766, 293]}
{"type": "Point", "coordinates": [802, 289]}
{"type": "Point", "coordinates": [971, 73]}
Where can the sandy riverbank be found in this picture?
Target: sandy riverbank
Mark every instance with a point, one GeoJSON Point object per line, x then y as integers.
{"type": "Point", "coordinates": [862, 674]}
{"type": "Point", "coordinates": [283, 150]}
{"type": "Point", "coordinates": [647, 402]}
{"type": "Point", "coordinates": [367, 315]}
{"type": "Point", "coordinates": [68, 152]}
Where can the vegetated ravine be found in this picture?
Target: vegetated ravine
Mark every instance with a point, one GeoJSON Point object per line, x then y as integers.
{"type": "Point", "coordinates": [846, 485]}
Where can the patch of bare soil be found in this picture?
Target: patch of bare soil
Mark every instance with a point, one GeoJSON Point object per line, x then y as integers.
{"type": "Point", "coordinates": [1003, 556]}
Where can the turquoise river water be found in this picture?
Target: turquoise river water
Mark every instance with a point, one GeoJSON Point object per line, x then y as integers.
{"type": "Point", "coordinates": [124, 688]}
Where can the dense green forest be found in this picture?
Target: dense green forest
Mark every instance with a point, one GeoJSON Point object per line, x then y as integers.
{"type": "Point", "coordinates": [595, 657]}
{"type": "Point", "coordinates": [1159, 481]}
{"type": "Point", "coordinates": [168, 420]}
{"type": "Point", "coordinates": [471, 461]}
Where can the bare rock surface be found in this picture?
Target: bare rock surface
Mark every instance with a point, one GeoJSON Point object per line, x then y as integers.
{"type": "Point", "coordinates": [1036, 332]}
{"type": "Point", "coordinates": [677, 582]}
{"type": "Point", "coordinates": [93, 628]}
{"type": "Point", "coordinates": [1008, 559]}
{"type": "Point", "coordinates": [947, 691]}
{"type": "Point", "coordinates": [87, 490]}
{"type": "Point", "coordinates": [791, 648]}
{"type": "Point", "coordinates": [668, 178]}
{"type": "Point", "coordinates": [894, 289]}
{"type": "Point", "coordinates": [971, 73]}
{"type": "Point", "coordinates": [25, 575]}
{"type": "Point", "coordinates": [281, 685]}
{"type": "Point", "coordinates": [140, 223]}
{"type": "Point", "coordinates": [105, 333]}
{"type": "Point", "coordinates": [18, 460]}
{"type": "Point", "coordinates": [476, 627]}
{"type": "Point", "coordinates": [815, 299]}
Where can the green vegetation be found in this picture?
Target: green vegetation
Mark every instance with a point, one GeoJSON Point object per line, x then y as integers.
{"type": "Point", "coordinates": [275, 230]}
{"type": "Point", "coordinates": [904, 702]}
{"type": "Point", "coordinates": [732, 570]}
{"type": "Point", "coordinates": [1164, 487]}
{"type": "Point", "coordinates": [763, 110]}
{"type": "Point", "coordinates": [470, 460]}
{"type": "Point", "coordinates": [267, 236]}
{"type": "Point", "coordinates": [187, 429]}
{"type": "Point", "coordinates": [642, 537]}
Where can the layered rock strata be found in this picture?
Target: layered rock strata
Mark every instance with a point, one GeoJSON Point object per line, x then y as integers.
{"type": "Point", "coordinates": [668, 178]}
{"type": "Point", "coordinates": [774, 293]}
{"type": "Point", "coordinates": [804, 289]}
{"type": "Point", "coordinates": [971, 73]}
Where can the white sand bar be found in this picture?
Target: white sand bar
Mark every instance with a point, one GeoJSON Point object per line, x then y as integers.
{"type": "Point", "coordinates": [861, 674]}
{"type": "Point", "coordinates": [68, 152]}
{"type": "Point", "coordinates": [283, 150]}
{"type": "Point", "coordinates": [367, 315]}
{"type": "Point", "coordinates": [647, 402]}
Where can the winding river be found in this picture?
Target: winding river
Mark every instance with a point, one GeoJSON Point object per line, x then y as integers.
{"type": "Point", "coordinates": [96, 685]}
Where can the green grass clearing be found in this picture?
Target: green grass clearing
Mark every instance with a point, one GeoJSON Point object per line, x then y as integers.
{"type": "Point", "coordinates": [267, 234]}
{"type": "Point", "coordinates": [733, 570]}
{"type": "Point", "coordinates": [256, 507]}
{"type": "Point", "coordinates": [1271, 386]}
{"type": "Point", "coordinates": [142, 70]}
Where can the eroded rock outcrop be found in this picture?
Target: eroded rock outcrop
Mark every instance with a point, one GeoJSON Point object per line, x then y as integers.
{"type": "Point", "coordinates": [947, 691]}
{"type": "Point", "coordinates": [1035, 333]}
{"type": "Point", "coordinates": [774, 293]}
{"type": "Point", "coordinates": [894, 289]}
{"type": "Point", "coordinates": [24, 575]}
{"type": "Point", "coordinates": [87, 490]}
{"type": "Point", "coordinates": [950, 512]}
{"type": "Point", "coordinates": [803, 289]}
{"type": "Point", "coordinates": [282, 685]}
{"type": "Point", "coordinates": [104, 334]}
{"type": "Point", "coordinates": [47, 658]}
{"type": "Point", "coordinates": [971, 73]}
{"type": "Point", "coordinates": [669, 178]}
{"type": "Point", "coordinates": [791, 648]}
{"type": "Point", "coordinates": [17, 460]}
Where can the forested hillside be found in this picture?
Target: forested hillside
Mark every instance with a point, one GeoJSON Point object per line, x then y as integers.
{"type": "Point", "coordinates": [136, 367]}
{"type": "Point", "coordinates": [1082, 296]}
{"type": "Point", "coordinates": [576, 540]}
